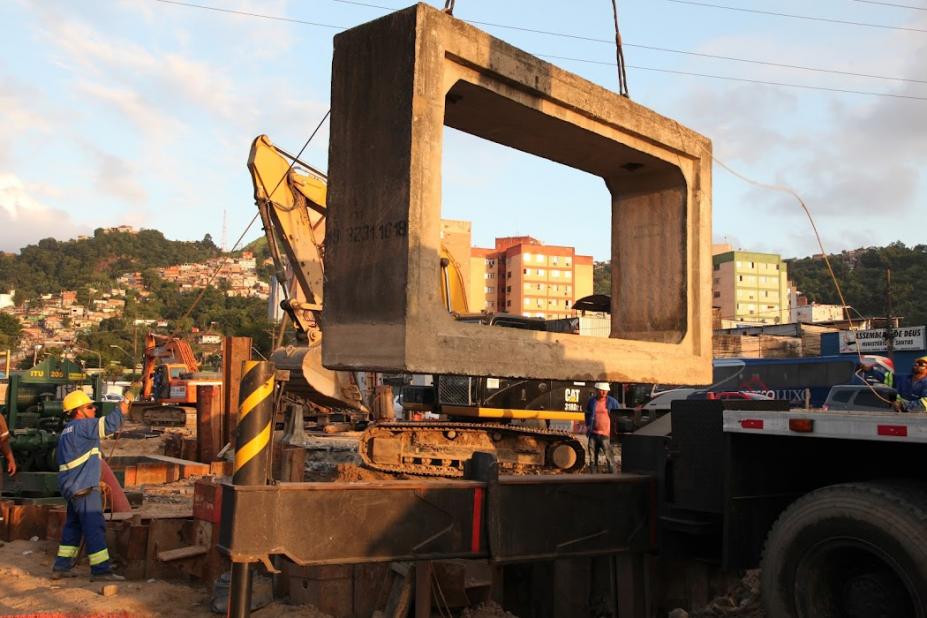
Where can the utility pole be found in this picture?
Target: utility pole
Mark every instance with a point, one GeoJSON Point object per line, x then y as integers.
{"type": "Point", "coordinates": [135, 343]}
{"type": "Point", "coordinates": [890, 326]}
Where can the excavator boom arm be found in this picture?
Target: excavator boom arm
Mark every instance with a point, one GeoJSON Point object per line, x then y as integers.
{"type": "Point", "coordinates": [292, 209]}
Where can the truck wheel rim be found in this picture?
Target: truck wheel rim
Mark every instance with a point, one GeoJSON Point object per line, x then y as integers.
{"type": "Point", "coordinates": [851, 578]}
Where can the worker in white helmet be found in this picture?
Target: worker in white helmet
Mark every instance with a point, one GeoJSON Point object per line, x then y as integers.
{"type": "Point", "coordinates": [599, 426]}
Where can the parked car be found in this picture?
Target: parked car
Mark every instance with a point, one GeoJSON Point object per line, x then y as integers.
{"type": "Point", "coordinates": [860, 397]}
{"type": "Point", "coordinates": [662, 401]}
{"type": "Point", "coordinates": [116, 397]}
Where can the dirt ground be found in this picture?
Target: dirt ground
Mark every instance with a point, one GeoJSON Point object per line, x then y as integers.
{"type": "Point", "coordinates": [25, 568]}
{"type": "Point", "coordinates": [28, 589]}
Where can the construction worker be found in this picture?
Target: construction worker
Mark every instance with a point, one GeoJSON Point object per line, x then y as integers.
{"type": "Point", "coordinates": [918, 392]}
{"type": "Point", "coordinates": [79, 483]}
{"type": "Point", "coordinates": [598, 424]}
{"type": "Point", "coordinates": [875, 370]}
{"type": "Point", "coordinates": [5, 447]}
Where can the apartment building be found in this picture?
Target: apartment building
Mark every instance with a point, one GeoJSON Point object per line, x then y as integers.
{"type": "Point", "coordinates": [750, 288]}
{"type": "Point", "coordinates": [523, 276]}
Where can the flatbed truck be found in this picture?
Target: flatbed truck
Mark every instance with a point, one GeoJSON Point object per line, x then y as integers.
{"type": "Point", "coordinates": [831, 506]}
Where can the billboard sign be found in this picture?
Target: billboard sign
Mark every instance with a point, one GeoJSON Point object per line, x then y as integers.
{"type": "Point", "coordinates": [876, 340]}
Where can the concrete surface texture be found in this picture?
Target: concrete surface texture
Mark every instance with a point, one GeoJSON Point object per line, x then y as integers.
{"type": "Point", "coordinates": [396, 82]}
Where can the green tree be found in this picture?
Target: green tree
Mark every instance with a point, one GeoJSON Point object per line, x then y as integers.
{"type": "Point", "coordinates": [864, 282]}
{"type": "Point", "coordinates": [602, 278]}
{"type": "Point", "coordinates": [11, 331]}
{"type": "Point", "coordinates": [50, 266]}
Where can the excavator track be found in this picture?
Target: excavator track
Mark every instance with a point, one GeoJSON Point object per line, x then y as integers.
{"type": "Point", "coordinates": [166, 415]}
{"type": "Point", "coordinates": [441, 449]}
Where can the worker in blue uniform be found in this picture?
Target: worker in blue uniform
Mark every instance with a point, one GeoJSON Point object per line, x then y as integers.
{"type": "Point", "coordinates": [918, 391]}
{"type": "Point", "coordinates": [79, 483]}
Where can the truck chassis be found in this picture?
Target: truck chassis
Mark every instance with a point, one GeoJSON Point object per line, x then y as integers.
{"type": "Point", "coordinates": [834, 510]}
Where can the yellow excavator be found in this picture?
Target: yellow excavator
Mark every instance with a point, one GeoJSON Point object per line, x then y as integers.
{"type": "Point", "coordinates": [291, 199]}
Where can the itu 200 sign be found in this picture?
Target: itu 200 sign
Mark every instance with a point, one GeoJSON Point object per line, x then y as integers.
{"type": "Point", "coordinates": [876, 339]}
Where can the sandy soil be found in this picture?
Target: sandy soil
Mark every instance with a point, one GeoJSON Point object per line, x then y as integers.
{"type": "Point", "coordinates": [25, 569]}
{"type": "Point", "coordinates": [28, 589]}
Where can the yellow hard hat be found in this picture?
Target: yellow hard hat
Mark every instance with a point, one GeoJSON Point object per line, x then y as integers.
{"type": "Point", "coordinates": [74, 400]}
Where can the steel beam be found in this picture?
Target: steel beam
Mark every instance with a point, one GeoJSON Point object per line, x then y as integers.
{"type": "Point", "coordinates": [507, 520]}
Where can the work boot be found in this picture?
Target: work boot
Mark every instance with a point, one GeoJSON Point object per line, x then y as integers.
{"type": "Point", "coordinates": [107, 577]}
{"type": "Point", "coordinates": [56, 574]}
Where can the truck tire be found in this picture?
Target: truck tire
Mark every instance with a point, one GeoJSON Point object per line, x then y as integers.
{"type": "Point", "coordinates": [857, 550]}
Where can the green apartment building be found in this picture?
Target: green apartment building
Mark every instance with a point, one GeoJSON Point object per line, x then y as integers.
{"type": "Point", "coordinates": [750, 288]}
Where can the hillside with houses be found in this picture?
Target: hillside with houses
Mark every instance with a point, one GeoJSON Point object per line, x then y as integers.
{"type": "Point", "coordinates": [92, 312]}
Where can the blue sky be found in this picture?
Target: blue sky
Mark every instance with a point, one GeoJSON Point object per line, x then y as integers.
{"type": "Point", "coordinates": [142, 112]}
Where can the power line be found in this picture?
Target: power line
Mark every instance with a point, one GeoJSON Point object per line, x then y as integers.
{"type": "Point", "coordinates": [745, 79]}
{"type": "Point", "coordinates": [669, 50]}
{"type": "Point", "coordinates": [249, 14]}
{"type": "Point", "coordinates": [780, 65]}
{"type": "Point", "coordinates": [587, 61]}
{"type": "Point", "coordinates": [828, 20]}
{"type": "Point", "coordinates": [892, 4]}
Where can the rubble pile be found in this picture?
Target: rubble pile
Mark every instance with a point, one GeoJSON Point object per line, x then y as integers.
{"type": "Point", "coordinates": [742, 599]}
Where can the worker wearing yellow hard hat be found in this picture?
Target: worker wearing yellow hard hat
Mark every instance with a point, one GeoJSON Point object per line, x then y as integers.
{"type": "Point", "coordinates": [78, 454]}
{"type": "Point", "coordinates": [75, 400]}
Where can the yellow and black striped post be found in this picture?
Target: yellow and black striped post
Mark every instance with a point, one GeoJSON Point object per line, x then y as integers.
{"type": "Point", "coordinates": [252, 456]}
{"type": "Point", "coordinates": [255, 420]}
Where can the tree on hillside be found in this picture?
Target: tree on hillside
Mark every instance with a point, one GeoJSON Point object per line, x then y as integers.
{"type": "Point", "coordinates": [602, 278]}
{"type": "Point", "coordinates": [862, 277]}
{"type": "Point", "coordinates": [10, 331]}
{"type": "Point", "coordinates": [50, 265]}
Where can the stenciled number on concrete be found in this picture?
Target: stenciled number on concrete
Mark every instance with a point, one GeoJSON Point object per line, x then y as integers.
{"type": "Point", "coordinates": [367, 233]}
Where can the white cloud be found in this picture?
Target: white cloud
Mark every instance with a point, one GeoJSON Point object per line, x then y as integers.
{"type": "Point", "coordinates": [146, 116]}
{"type": "Point", "coordinates": [202, 85]}
{"type": "Point", "coordinates": [91, 51]}
{"type": "Point", "coordinates": [136, 79]}
{"type": "Point", "coordinates": [736, 118]}
{"type": "Point", "coordinates": [853, 159]}
{"type": "Point", "coordinates": [117, 177]}
{"type": "Point", "coordinates": [258, 38]}
{"type": "Point", "coordinates": [24, 220]}
{"type": "Point", "coordinates": [19, 111]}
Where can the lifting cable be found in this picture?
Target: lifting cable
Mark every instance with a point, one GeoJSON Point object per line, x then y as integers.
{"type": "Point", "coordinates": [619, 56]}
{"type": "Point", "coordinates": [199, 296]}
{"type": "Point", "coordinates": [789, 191]}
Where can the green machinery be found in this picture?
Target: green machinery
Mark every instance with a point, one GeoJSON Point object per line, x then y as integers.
{"type": "Point", "coordinates": [35, 417]}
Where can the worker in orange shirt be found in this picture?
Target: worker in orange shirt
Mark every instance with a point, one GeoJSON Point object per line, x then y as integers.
{"type": "Point", "coordinates": [599, 426]}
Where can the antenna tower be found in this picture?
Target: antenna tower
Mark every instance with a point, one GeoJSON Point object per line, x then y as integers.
{"type": "Point", "coordinates": [225, 231]}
